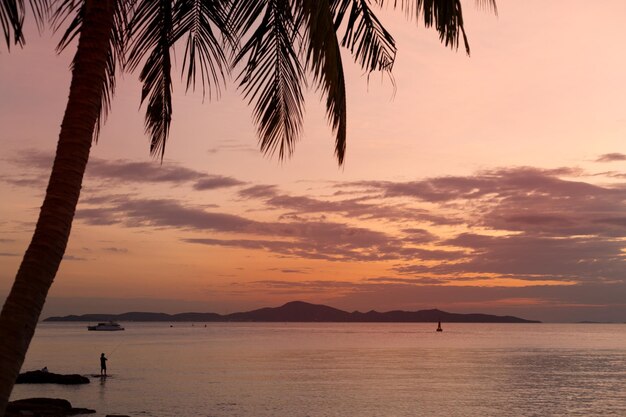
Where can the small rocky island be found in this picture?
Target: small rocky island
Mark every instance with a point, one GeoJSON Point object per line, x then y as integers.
{"type": "Point", "coordinates": [43, 377]}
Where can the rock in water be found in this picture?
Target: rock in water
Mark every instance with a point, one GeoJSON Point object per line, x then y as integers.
{"type": "Point", "coordinates": [40, 377]}
{"type": "Point", "coordinates": [44, 407]}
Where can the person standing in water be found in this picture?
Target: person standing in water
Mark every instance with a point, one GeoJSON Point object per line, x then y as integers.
{"type": "Point", "coordinates": [103, 365]}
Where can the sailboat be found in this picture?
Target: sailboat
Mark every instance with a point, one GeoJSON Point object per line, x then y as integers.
{"type": "Point", "coordinates": [439, 329]}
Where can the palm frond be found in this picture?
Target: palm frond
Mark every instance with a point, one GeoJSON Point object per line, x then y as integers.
{"type": "Point", "coordinates": [12, 20]}
{"type": "Point", "coordinates": [204, 51]}
{"type": "Point", "coordinates": [324, 60]}
{"type": "Point", "coordinates": [371, 44]}
{"type": "Point", "coordinates": [151, 31]}
{"type": "Point", "coordinates": [241, 16]}
{"type": "Point", "coordinates": [273, 76]}
{"type": "Point", "coordinates": [74, 11]}
{"type": "Point", "coordinates": [41, 10]}
{"type": "Point", "coordinates": [489, 5]}
{"type": "Point", "coordinates": [12, 14]}
{"type": "Point", "coordinates": [445, 15]}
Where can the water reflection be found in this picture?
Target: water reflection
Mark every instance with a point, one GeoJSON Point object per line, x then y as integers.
{"type": "Point", "coordinates": [363, 370]}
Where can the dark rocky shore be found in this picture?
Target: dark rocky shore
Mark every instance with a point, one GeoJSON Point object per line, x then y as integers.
{"type": "Point", "coordinates": [44, 407]}
{"type": "Point", "coordinates": [47, 407]}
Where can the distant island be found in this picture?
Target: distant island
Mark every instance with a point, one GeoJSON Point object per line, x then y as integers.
{"type": "Point", "coordinates": [299, 311]}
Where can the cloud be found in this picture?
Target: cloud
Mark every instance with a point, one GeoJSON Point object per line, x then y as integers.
{"type": "Point", "coordinates": [115, 250]}
{"type": "Point", "coordinates": [526, 223]}
{"type": "Point", "coordinates": [298, 206]}
{"type": "Point", "coordinates": [533, 258]}
{"type": "Point", "coordinates": [259, 191]}
{"type": "Point", "coordinates": [612, 174]}
{"type": "Point", "coordinates": [297, 289]}
{"type": "Point", "coordinates": [32, 158]}
{"type": "Point", "coordinates": [485, 184]}
{"type": "Point", "coordinates": [130, 171]}
{"type": "Point", "coordinates": [519, 223]}
{"type": "Point", "coordinates": [151, 172]}
{"type": "Point", "coordinates": [96, 216]}
{"type": "Point", "coordinates": [34, 169]}
{"type": "Point", "coordinates": [233, 146]}
{"type": "Point", "coordinates": [310, 239]}
{"type": "Point", "coordinates": [527, 200]}
{"type": "Point", "coordinates": [120, 171]}
{"type": "Point", "coordinates": [417, 280]}
{"type": "Point", "coordinates": [318, 284]}
{"type": "Point", "coordinates": [291, 270]}
{"type": "Point", "coordinates": [418, 236]}
{"type": "Point", "coordinates": [340, 250]}
{"type": "Point", "coordinates": [25, 180]}
{"type": "Point", "coordinates": [73, 258]}
{"type": "Point", "coordinates": [611, 157]}
{"type": "Point", "coordinates": [212, 182]}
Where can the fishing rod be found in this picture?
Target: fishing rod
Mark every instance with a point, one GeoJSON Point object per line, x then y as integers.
{"type": "Point", "coordinates": [114, 349]}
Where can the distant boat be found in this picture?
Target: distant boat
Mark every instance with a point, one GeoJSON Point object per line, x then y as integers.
{"type": "Point", "coordinates": [439, 329]}
{"type": "Point", "coordinates": [109, 326]}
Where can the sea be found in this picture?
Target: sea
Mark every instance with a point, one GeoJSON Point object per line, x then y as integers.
{"type": "Point", "coordinates": [337, 369]}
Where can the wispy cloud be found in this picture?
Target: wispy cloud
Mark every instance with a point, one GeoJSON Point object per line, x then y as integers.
{"type": "Point", "coordinates": [121, 171]}
{"type": "Point", "coordinates": [114, 249]}
{"type": "Point", "coordinates": [212, 182]}
{"type": "Point", "coordinates": [232, 146]}
{"type": "Point", "coordinates": [74, 258]}
{"type": "Point", "coordinates": [520, 223]}
{"type": "Point", "coordinates": [533, 258]}
{"type": "Point", "coordinates": [611, 157]}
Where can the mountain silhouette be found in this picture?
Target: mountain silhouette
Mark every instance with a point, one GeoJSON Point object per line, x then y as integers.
{"type": "Point", "coordinates": [299, 311]}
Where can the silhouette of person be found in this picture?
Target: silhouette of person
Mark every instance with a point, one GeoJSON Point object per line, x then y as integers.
{"type": "Point", "coordinates": [103, 365]}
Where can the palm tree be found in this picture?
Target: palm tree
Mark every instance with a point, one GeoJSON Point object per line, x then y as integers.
{"type": "Point", "coordinates": [89, 78]}
{"type": "Point", "coordinates": [101, 27]}
{"type": "Point", "coordinates": [293, 38]}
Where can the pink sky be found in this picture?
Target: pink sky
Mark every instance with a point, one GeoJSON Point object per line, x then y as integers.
{"type": "Point", "coordinates": [479, 185]}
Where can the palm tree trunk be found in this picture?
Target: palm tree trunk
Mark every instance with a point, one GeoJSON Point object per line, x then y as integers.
{"type": "Point", "coordinates": [40, 264]}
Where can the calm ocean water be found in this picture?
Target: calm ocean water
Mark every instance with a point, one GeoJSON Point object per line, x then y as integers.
{"type": "Point", "coordinates": [360, 370]}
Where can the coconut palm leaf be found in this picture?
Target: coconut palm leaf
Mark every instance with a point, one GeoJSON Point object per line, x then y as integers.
{"type": "Point", "coordinates": [489, 5]}
{"type": "Point", "coordinates": [151, 31]}
{"type": "Point", "coordinates": [445, 15]}
{"type": "Point", "coordinates": [323, 58]}
{"type": "Point", "coordinates": [204, 51]}
{"type": "Point", "coordinates": [371, 44]}
{"type": "Point", "coordinates": [12, 13]}
{"type": "Point", "coordinates": [12, 19]}
{"type": "Point", "coordinates": [73, 11]}
{"type": "Point", "coordinates": [273, 76]}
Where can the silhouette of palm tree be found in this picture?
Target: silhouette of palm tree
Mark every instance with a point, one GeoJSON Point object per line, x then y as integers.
{"type": "Point", "coordinates": [276, 42]}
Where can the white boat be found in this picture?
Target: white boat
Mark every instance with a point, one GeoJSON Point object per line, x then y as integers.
{"type": "Point", "coordinates": [109, 326]}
